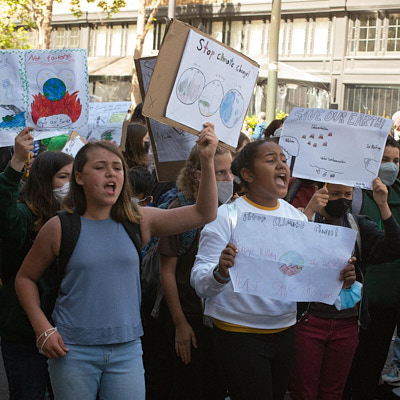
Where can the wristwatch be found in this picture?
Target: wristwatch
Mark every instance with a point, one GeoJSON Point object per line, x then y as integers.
{"type": "Point", "coordinates": [219, 276]}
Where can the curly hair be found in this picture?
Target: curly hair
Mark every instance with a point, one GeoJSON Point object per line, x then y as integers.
{"type": "Point", "coordinates": [186, 181]}
{"type": "Point", "coordinates": [38, 190]}
{"type": "Point", "coordinates": [123, 209]}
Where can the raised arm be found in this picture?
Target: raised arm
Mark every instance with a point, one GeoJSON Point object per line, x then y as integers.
{"type": "Point", "coordinates": [318, 200]}
{"type": "Point", "coordinates": [22, 149]}
{"type": "Point", "coordinates": [157, 222]}
{"type": "Point", "coordinates": [15, 218]}
{"type": "Point", "coordinates": [380, 195]}
{"type": "Point", "coordinates": [43, 253]}
{"type": "Point", "coordinates": [379, 246]}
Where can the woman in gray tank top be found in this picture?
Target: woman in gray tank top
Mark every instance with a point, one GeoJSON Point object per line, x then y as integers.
{"type": "Point", "coordinates": [95, 345]}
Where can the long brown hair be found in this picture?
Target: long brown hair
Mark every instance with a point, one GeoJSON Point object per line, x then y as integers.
{"type": "Point", "coordinates": [135, 152]}
{"type": "Point", "coordinates": [123, 209]}
{"type": "Point", "coordinates": [38, 190]}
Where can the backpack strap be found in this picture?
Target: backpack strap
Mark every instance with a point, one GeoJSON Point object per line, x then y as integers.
{"type": "Point", "coordinates": [356, 203]}
{"type": "Point", "coordinates": [70, 231]}
{"type": "Point", "coordinates": [133, 230]}
{"type": "Point", "coordinates": [354, 225]}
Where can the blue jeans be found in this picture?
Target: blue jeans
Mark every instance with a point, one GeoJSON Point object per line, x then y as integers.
{"type": "Point", "coordinates": [26, 370]}
{"type": "Point", "coordinates": [115, 372]}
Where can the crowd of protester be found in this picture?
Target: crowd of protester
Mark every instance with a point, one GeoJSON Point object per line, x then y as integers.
{"type": "Point", "coordinates": [206, 341]}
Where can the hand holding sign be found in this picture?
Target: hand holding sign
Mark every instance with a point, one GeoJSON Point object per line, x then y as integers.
{"type": "Point", "coordinates": [227, 260]}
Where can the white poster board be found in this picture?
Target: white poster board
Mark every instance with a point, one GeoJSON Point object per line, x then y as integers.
{"type": "Point", "coordinates": [46, 89]}
{"type": "Point", "coordinates": [105, 121]}
{"type": "Point", "coordinates": [334, 146]}
{"type": "Point", "coordinates": [213, 84]}
{"type": "Point", "coordinates": [73, 145]}
{"type": "Point", "coordinates": [290, 260]}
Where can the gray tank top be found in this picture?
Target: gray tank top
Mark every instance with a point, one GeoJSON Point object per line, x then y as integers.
{"type": "Point", "coordinates": [99, 300]}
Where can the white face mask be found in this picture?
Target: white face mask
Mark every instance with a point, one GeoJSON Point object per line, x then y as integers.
{"type": "Point", "coordinates": [225, 191]}
{"type": "Point", "coordinates": [61, 192]}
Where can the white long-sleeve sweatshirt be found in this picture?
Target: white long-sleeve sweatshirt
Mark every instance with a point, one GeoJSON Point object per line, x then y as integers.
{"type": "Point", "coordinates": [221, 301]}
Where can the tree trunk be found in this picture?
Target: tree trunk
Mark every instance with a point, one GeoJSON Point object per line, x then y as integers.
{"type": "Point", "coordinates": [44, 26]}
{"type": "Point", "coordinates": [142, 29]}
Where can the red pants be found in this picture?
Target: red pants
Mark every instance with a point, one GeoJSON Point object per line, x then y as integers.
{"type": "Point", "coordinates": [323, 355]}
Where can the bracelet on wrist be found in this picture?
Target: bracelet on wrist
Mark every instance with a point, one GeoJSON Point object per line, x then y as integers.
{"type": "Point", "coordinates": [218, 275]}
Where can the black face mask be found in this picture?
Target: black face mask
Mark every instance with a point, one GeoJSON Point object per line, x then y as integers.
{"type": "Point", "coordinates": [147, 145]}
{"type": "Point", "coordinates": [338, 208]}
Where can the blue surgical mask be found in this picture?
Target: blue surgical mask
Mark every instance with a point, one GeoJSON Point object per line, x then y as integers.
{"type": "Point", "coordinates": [388, 173]}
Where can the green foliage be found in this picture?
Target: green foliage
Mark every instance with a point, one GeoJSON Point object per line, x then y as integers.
{"type": "Point", "coordinates": [109, 8]}
{"type": "Point", "coordinates": [251, 121]}
{"type": "Point", "coordinates": [280, 115]}
{"type": "Point", "coordinates": [12, 37]}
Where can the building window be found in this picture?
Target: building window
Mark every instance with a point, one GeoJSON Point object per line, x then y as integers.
{"type": "Point", "coordinates": [298, 36]}
{"type": "Point", "coordinates": [304, 37]}
{"type": "Point", "coordinates": [116, 41]}
{"type": "Point", "coordinates": [367, 34]}
{"type": "Point", "coordinates": [74, 38]}
{"type": "Point", "coordinates": [257, 34]}
{"type": "Point", "coordinates": [375, 100]}
{"type": "Point", "coordinates": [393, 33]}
{"type": "Point", "coordinates": [236, 35]}
{"type": "Point", "coordinates": [131, 40]}
{"type": "Point", "coordinates": [217, 30]}
{"type": "Point", "coordinates": [321, 36]}
{"type": "Point", "coordinates": [61, 42]}
{"type": "Point", "coordinates": [33, 38]}
{"type": "Point", "coordinates": [101, 41]}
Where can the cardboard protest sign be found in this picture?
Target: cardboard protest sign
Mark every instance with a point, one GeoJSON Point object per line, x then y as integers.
{"type": "Point", "coordinates": [289, 260]}
{"type": "Point", "coordinates": [334, 146]}
{"type": "Point", "coordinates": [198, 79]}
{"type": "Point", "coordinates": [46, 89]}
{"type": "Point", "coordinates": [171, 146]}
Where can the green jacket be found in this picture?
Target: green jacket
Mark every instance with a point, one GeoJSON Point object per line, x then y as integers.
{"type": "Point", "coordinates": [17, 224]}
{"type": "Point", "coordinates": [382, 281]}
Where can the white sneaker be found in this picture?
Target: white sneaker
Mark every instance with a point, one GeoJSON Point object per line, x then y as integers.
{"type": "Point", "coordinates": [393, 375]}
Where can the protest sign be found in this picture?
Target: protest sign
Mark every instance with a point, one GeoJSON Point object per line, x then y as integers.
{"type": "Point", "coordinates": [171, 146]}
{"type": "Point", "coordinates": [106, 121]}
{"type": "Point", "coordinates": [74, 144]}
{"type": "Point", "coordinates": [46, 89]}
{"type": "Point", "coordinates": [290, 260]}
{"type": "Point", "coordinates": [334, 146]}
{"type": "Point", "coordinates": [198, 79]}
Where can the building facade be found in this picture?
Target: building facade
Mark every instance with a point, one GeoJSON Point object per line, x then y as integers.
{"type": "Point", "coordinates": [351, 48]}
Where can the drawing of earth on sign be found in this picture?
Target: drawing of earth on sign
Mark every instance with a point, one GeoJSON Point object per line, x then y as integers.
{"type": "Point", "coordinates": [291, 263]}
{"type": "Point", "coordinates": [54, 106]}
{"type": "Point", "coordinates": [190, 86]}
{"type": "Point", "coordinates": [211, 98]}
{"type": "Point", "coordinates": [231, 108]}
